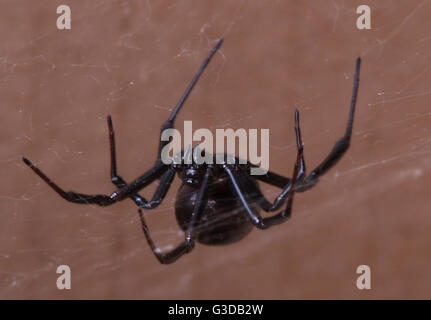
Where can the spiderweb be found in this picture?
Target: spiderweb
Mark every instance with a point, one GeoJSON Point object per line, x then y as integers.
{"type": "Point", "coordinates": [133, 59]}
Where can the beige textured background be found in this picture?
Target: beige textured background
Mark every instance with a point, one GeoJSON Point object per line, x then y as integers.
{"type": "Point", "coordinates": [133, 59]}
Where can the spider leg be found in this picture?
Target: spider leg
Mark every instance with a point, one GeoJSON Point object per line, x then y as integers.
{"type": "Point", "coordinates": [170, 122]}
{"type": "Point", "coordinates": [340, 146]}
{"type": "Point", "coordinates": [244, 197]}
{"type": "Point", "coordinates": [101, 199]}
{"type": "Point", "coordinates": [279, 180]}
{"type": "Point", "coordinates": [245, 181]}
{"type": "Point", "coordinates": [306, 183]}
{"type": "Point", "coordinates": [115, 178]}
{"type": "Point", "coordinates": [162, 189]}
{"type": "Point", "coordinates": [273, 178]}
{"type": "Point", "coordinates": [188, 244]}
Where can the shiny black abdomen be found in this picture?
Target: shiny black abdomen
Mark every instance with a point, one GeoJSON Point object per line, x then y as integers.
{"type": "Point", "coordinates": [224, 219]}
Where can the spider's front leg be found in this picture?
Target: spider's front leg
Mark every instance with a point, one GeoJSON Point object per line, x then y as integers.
{"type": "Point", "coordinates": [188, 244]}
{"type": "Point", "coordinates": [337, 152]}
{"type": "Point", "coordinates": [340, 146]}
{"type": "Point", "coordinates": [166, 179]}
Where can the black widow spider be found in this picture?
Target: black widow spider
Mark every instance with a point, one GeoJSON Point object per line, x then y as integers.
{"type": "Point", "coordinates": [216, 204]}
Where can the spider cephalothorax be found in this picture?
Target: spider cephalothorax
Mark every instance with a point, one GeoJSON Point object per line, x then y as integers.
{"type": "Point", "coordinates": [216, 203]}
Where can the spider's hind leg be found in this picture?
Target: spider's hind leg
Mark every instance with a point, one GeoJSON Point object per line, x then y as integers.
{"type": "Point", "coordinates": [188, 244]}
{"type": "Point", "coordinates": [99, 199]}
